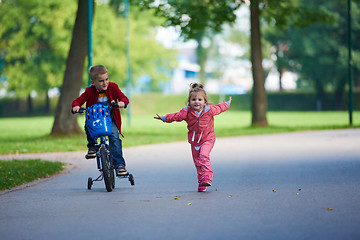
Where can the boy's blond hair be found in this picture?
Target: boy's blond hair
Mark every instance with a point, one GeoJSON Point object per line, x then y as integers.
{"type": "Point", "coordinates": [96, 70]}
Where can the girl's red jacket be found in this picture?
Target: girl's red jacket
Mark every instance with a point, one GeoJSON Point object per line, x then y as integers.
{"type": "Point", "coordinates": [200, 129]}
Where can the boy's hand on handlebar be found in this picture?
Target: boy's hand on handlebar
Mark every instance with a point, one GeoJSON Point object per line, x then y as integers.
{"type": "Point", "coordinates": [121, 104]}
{"type": "Point", "coordinates": [76, 109]}
{"type": "Point", "coordinates": [158, 117]}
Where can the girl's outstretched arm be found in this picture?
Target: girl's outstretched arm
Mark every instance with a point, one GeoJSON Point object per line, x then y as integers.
{"type": "Point", "coordinates": [221, 107]}
{"type": "Point", "coordinates": [159, 117]}
{"type": "Point", "coordinates": [171, 117]}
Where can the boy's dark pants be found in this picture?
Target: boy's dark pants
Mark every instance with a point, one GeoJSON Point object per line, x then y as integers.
{"type": "Point", "coordinates": [114, 142]}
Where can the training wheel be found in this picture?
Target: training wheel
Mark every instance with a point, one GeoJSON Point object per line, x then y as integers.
{"type": "Point", "coordinates": [90, 183]}
{"type": "Point", "coordinates": [131, 179]}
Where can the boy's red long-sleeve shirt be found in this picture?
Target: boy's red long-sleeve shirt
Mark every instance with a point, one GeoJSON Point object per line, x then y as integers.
{"type": "Point", "coordinates": [113, 92]}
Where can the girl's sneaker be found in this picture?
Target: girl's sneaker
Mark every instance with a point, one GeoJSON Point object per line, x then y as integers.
{"type": "Point", "coordinates": [206, 182]}
{"type": "Point", "coordinates": [201, 188]}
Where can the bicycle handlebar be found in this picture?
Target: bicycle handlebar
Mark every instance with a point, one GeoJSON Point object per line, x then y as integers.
{"type": "Point", "coordinates": [81, 110]}
{"type": "Point", "coordinates": [113, 104]}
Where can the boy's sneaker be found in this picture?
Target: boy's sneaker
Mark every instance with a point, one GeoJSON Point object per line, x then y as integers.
{"type": "Point", "coordinates": [91, 154]}
{"type": "Point", "coordinates": [201, 188]}
{"type": "Point", "coordinates": [121, 170]}
{"type": "Point", "coordinates": [206, 182]}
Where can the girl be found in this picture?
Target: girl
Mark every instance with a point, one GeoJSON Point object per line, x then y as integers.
{"type": "Point", "coordinates": [199, 116]}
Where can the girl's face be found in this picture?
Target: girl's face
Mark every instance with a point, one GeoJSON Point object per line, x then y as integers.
{"type": "Point", "coordinates": [197, 101]}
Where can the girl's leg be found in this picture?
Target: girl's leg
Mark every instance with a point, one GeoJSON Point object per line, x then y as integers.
{"type": "Point", "coordinates": [204, 162]}
{"type": "Point", "coordinates": [196, 158]}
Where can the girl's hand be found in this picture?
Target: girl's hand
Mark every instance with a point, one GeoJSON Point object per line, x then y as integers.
{"type": "Point", "coordinates": [158, 117]}
{"type": "Point", "coordinates": [230, 99]}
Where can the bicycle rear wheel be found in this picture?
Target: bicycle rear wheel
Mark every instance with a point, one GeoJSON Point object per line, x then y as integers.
{"type": "Point", "coordinates": [106, 169]}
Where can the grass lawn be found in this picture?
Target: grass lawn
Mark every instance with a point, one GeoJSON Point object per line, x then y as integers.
{"type": "Point", "coordinates": [16, 172]}
{"type": "Point", "coordinates": [31, 134]}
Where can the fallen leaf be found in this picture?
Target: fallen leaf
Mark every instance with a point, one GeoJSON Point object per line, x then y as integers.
{"type": "Point", "coordinates": [189, 203]}
{"type": "Point", "coordinates": [176, 198]}
{"type": "Point", "coordinates": [230, 196]}
{"type": "Point", "coordinates": [330, 209]}
{"type": "Point", "coordinates": [274, 190]}
{"type": "Point", "coordinates": [299, 189]}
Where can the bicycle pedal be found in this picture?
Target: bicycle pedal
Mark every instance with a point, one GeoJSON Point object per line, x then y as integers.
{"type": "Point", "coordinates": [89, 157]}
{"type": "Point", "coordinates": [122, 174]}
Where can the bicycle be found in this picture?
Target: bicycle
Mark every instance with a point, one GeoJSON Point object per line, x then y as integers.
{"type": "Point", "coordinates": [98, 118]}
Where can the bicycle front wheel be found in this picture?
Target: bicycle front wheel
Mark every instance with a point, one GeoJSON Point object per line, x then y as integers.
{"type": "Point", "coordinates": [106, 168]}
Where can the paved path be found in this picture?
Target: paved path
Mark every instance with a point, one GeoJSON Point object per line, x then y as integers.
{"type": "Point", "coordinates": [281, 186]}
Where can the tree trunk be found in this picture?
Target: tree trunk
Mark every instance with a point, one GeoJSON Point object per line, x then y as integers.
{"type": "Point", "coordinates": [17, 103]}
{"type": "Point", "coordinates": [30, 108]}
{"type": "Point", "coordinates": [320, 94]}
{"type": "Point", "coordinates": [47, 102]}
{"type": "Point", "coordinates": [280, 69]}
{"type": "Point", "coordinates": [201, 56]}
{"type": "Point", "coordinates": [339, 93]}
{"type": "Point", "coordinates": [65, 122]}
{"type": "Point", "coordinates": [259, 99]}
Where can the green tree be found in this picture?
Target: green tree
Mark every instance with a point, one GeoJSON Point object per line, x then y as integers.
{"type": "Point", "coordinates": [196, 17]}
{"type": "Point", "coordinates": [318, 52]}
{"type": "Point", "coordinates": [259, 99]}
{"type": "Point", "coordinates": [147, 55]}
{"type": "Point", "coordinates": [33, 44]}
{"type": "Point", "coordinates": [196, 20]}
{"type": "Point", "coordinates": [279, 14]}
{"type": "Point", "coordinates": [65, 123]}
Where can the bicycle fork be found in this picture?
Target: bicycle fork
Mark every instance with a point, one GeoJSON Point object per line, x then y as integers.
{"type": "Point", "coordinates": [98, 157]}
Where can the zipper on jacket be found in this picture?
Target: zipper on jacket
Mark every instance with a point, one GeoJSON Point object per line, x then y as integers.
{"type": "Point", "coordinates": [200, 136]}
{"type": "Point", "coordinates": [198, 127]}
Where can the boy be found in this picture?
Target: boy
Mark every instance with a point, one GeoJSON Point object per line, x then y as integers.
{"type": "Point", "coordinates": [103, 91]}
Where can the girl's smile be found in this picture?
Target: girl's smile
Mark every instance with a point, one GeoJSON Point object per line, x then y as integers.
{"type": "Point", "coordinates": [197, 101]}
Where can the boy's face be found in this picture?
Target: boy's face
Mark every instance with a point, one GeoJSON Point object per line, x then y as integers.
{"type": "Point", "coordinates": [101, 82]}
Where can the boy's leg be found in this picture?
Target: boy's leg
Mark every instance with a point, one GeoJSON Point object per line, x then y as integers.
{"type": "Point", "coordinates": [91, 141]}
{"type": "Point", "coordinates": [91, 145]}
{"type": "Point", "coordinates": [116, 146]}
